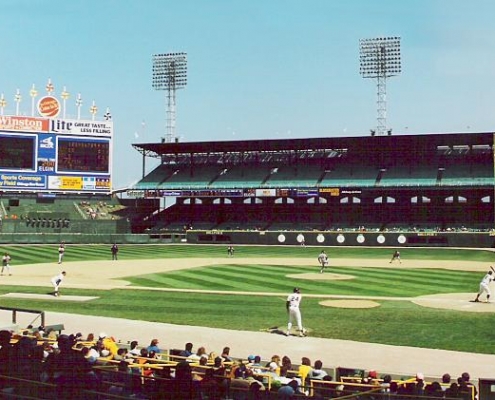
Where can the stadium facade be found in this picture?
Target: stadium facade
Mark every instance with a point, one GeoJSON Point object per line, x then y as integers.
{"type": "Point", "coordinates": [403, 190]}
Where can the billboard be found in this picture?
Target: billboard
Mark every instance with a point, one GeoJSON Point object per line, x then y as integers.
{"type": "Point", "coordinates": [55, 155]}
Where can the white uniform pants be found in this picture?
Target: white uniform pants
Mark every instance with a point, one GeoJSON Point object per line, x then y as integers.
{"type": "Point", "coordinates": [56, 284]}
{"type": "Point", "coordinates": [295, 316]}
{"type": "Point", "coordinates": [484, 288]}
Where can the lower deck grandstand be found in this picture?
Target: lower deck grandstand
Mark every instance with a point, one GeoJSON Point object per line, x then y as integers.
{"type": "Point", "coordinates": [439, 182]}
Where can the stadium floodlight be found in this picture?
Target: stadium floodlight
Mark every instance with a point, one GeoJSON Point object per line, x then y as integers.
{"type": "Point", "coordinates": [33, 93]}
{"type": "Point", "coordinates": [17, 99]}
{"type": "Point", "coordinates": [380, 59]}
{"type": "Point", "coordinates": [170, 74]}
{"type": "Point", "coordinates": [79, 103]}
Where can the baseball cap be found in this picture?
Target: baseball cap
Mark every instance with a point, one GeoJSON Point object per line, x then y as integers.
{"type": "Point", "coordinates": [296, 290]}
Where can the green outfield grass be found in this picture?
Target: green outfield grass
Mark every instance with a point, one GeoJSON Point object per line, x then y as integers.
{"type": "Point", "coordinates": [394, 322]}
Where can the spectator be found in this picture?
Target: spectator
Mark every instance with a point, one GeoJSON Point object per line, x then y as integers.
{"type": "Point", "coordinates": [446, 381]}
{"type": "Point", "coordinates": [153, 347]}
{"type": "Point", "coordinates": [226, 354]}
{"type": "Point", "coordinates": [69, 370]}
{"type": "Point", "coordinates": [274, 365]}
{"type": "Point", "coordinates": [187, 350]}
{"type": "Point", "coordinates": [304, 369]}
{"type": "Point", "coordinates": [288, 391]}
{"type": "Point", "coordinates": [469, 387]}
{"type": "Point", "coordinates": [318, 372]}
{"type": "Point", "coordinates": [452, 391]}
{"type": "Point", "coordinates": [201, 352]}
{"type": "Point", "coordinates": [386, 384]}
{"type": "Point", "coordinates": [286, 362]}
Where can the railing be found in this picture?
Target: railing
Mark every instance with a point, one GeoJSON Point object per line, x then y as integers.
{"type": "Point", "coordinates": [23, 310]}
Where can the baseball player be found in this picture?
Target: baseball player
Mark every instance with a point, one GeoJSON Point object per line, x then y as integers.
{"type": "Point", "coordinates": [6, 263]}
{"type": "Point", "coordinates": [292, 305]}
{"type": "Point", "coordinates": [56, 281]}
{"type": "Point", "coordinates": [396, 256]}
{"type": "Point", "coordinates": [61, 252]}
{"type": "Point", "coordinates": [484, 287]}
{"type": "Point", "coordinates": [323, 261]}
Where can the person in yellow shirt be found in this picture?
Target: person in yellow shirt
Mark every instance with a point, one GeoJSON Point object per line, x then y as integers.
{"type": "Point", "coordinates": [304, 369]}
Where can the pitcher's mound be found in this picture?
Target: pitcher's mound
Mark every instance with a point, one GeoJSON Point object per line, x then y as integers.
{"type": "Point", "coordinates": [349, 303]}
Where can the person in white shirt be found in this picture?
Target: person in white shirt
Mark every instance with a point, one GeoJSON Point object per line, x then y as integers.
{"type": "Point", "coordinates": [292, 305]}
{"type": "Point", "coordinates": [61, 252]}
{"type": "Point", "coordinates": [323, 261]}
{"type": "Point", "coordinates": [56, 281]}
{"type": "Point", "coordinates": [485, 286]}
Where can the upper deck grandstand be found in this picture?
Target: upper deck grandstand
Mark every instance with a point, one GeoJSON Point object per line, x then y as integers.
{"type": "Point", "coordinates": [435, 181]}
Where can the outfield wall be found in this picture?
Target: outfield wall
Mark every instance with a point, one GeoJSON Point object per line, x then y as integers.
{"type": "Point", "coordinates": [347, 238]}
{"type": "Point", "coordinates": [85, 238]}
{"type": "Point", "coordinates": [291, 238]}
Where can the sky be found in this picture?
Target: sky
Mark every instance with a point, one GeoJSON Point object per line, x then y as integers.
{"type": "Point", "coordinates": [257, 69]}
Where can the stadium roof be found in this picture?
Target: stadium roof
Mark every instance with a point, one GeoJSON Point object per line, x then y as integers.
{"type": "Point", "coordinates": [272, 145]}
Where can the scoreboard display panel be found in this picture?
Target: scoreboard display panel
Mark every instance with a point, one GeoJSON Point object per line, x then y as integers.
{"type": "Point", "coordinates": [83, 155]}
{"type": "Point", "coordinates": [53, 155]}
{"type": "Point", "coordinates": [17, 153]}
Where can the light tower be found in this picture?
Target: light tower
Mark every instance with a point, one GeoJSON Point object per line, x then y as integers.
{"type": "Point", "coordinates": [380, 59]}
{"type": "Point", "coordinates": [170, 74]}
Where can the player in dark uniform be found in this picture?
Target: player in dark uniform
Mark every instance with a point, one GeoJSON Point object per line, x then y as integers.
{"type": "Point", "coordinates": [396, 256]}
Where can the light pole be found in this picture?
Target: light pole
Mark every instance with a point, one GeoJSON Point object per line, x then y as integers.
{"type": "Point", "coordinates": [170, 74]}
{"type": "Point", "coordinates": [49, 87]}
{"type": "Point", "coordinates": [380, 59]}
{"type": "Point", "coordinates": [17, 99]}
{"type": "Point", "coordinates": [65, 95]}
{"type": "Point", "coordinates": [33, 93]}
{"type": "Point", "coordinates": [93, 110]}
{"type": "Point", "coordinates": [79, 103]}
{"type": "Point", "coordinates": [3, 103]}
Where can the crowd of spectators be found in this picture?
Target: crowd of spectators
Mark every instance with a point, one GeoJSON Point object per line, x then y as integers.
{"type": "Point", "coordinates": [98, 210]}
{"type": "Point", "coordinates": [41, 362]}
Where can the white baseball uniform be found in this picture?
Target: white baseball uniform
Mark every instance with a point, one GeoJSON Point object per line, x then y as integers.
{"type": "Point", "coordinates": [293, 301]}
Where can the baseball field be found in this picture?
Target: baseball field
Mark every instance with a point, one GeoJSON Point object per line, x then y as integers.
{"type": "Point", "coordinates": [422, 302]}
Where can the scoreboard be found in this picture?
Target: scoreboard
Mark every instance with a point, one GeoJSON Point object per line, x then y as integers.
{"type": "Point", "coordinates": [55, 155]}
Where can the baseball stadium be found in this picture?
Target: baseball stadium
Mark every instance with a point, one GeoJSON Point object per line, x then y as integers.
{"type": "Point", "coordinates": [371, 321]}
{"type": "Point", "coordinates": [210, 255]}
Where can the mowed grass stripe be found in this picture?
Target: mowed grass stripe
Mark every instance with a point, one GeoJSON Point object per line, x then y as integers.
{"type": "Point", "coordinates": [234, 279]}
{"type": "Point", "coordinates": [229, 280]}
{"type": "Point", "coordinates": [369, 282]}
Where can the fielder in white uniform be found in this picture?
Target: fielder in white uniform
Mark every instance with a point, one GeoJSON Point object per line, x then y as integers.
{"type": "Point", "coordinates": [61, 252]}
{"type": "Point", "coordinates": [323, 260]}
{"type": "Point", "coordinates": [56, 281]}
{"type": "Point", "coordinates": [485, 286]}
{"type": "Point", "coordinates": [292, 305]}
